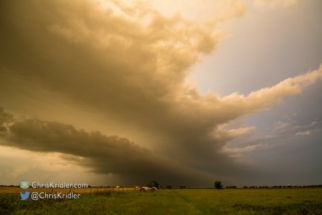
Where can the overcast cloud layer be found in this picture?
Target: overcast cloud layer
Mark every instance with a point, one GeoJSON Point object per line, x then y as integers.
{"type": "Point", "coordinates": [127, 64]}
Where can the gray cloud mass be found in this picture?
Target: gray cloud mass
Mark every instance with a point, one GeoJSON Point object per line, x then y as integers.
{"type": "Point", "coordinates": [101, 153]}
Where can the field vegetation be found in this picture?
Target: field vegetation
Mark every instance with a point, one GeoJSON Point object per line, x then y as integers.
{"type": "Point", "coordinates": [171, 201]}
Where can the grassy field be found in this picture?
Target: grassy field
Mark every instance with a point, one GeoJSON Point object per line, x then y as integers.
{"type": "Point", "coordinates": [176, 201]}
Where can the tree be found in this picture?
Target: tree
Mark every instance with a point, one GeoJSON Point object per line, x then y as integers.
{"type": "Point", "coordinates": [153, 183]}
{"type": "Point", "coordinates": [218, 185]}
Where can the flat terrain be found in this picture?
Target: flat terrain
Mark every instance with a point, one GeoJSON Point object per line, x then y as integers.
{"type": "Point", "coordinates": [175, 201]}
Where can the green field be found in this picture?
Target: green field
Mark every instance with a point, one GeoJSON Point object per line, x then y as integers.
{"type": "Point", "coordinates": [175, 201]}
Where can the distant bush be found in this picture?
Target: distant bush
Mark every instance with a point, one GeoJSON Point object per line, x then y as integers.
{"type": "Point", "coordinates": [231, 187]}
{"type": "Point", "coordinates": [218, 185]}
{"type": "Point", "coordinates": [153, 183]}
{"type": "Point", "coordinates": [169, 186]}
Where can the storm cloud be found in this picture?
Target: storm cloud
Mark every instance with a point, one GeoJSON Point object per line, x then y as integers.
{"type": "Point", "coordinates": [104, 155]}
{"type": "Point", "coordinates": [129, 64]}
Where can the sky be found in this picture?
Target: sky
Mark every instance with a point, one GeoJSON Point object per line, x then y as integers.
{"type": "Point", "coordinates": [181, 92]}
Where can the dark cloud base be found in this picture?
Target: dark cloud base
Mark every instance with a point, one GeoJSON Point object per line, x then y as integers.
{"type": "Point", "coordinates": [103, 154]}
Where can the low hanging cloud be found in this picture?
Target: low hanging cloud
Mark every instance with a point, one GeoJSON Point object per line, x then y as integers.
{"type": "Point", "coordinates": [103, 154]}
{"type": "Point", "coordinates": [130, 65]}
